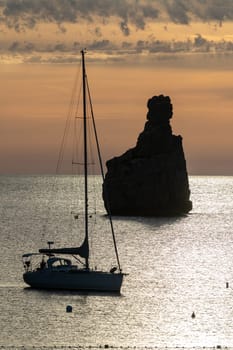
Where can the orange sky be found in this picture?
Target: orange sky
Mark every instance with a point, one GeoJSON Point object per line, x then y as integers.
{"type": "Point", "coordinates": [35, 98]}
{"type": "Point", "coordinates": [190, 62]}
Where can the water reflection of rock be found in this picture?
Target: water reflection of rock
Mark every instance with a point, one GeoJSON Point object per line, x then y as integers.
{"type": "Point", "coordinates": [150, 179]}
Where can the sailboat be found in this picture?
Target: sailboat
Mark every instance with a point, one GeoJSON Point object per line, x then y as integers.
{"type": "Point", "coordinates": [56, 269]}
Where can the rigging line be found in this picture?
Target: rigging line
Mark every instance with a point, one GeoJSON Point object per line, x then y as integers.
{"type": "Point", "coordinates": [74, 141]}
{"type": "Point", "coordinates": [78, 143]}
{"type": "Point", "coordinates": [92, 157]}
{"type": "Point", "coordinates": [74, 146]}
{"type": "Point", "coordinates": [91, 152]}
{"type": "Point", "coordinates": [68, 121]}
{"type": "Point", "coordinates": [75, 133]}
{"type": "Point", "coordinates": [78, 102]}
{"type": "Point", "coordinates": [102, 173]}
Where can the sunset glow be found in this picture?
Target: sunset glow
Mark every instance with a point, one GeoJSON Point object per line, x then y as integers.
{"type": "Point", "coordinates": [183, 52]}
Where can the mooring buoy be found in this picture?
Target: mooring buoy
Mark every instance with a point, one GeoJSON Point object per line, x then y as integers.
{"type": "Point", "coordinates": [69, 308]}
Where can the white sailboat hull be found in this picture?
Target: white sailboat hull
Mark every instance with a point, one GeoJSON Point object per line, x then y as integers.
{"type": "Point", "coordinates": [87, 280]}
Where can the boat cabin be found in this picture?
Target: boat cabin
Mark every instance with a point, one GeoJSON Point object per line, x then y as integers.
{"type": "Point", "coordinates": [52, 263]}
{"type": "Point", "coordinates": [58, 262]}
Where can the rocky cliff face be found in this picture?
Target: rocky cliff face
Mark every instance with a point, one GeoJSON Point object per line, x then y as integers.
{"type": "Point", "coordinates": [150, 179]}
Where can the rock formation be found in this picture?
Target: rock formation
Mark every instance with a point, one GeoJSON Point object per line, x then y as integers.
{"type": "Point", "coordinates": [150, 179]}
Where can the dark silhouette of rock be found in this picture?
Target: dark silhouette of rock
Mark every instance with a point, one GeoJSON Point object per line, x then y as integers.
{"type": "Point", "coordinates": [150, 179]}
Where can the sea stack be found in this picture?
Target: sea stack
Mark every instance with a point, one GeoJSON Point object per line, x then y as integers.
{"type": "Point", "coordinates": [150, 179]}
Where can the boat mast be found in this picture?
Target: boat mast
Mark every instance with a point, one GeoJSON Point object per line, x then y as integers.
{"type": "Point", "coordinates": [85, 150]}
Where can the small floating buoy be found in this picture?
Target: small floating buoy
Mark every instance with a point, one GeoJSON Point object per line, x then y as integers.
{"type": "Point", "coordinates": [69, 308]}
{"type": "Point", "coordinates": [193, 315]}
{"type": "Point", "coordinates": [227, 285]}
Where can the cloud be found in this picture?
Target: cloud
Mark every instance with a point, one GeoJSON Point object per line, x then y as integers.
{"type": "Point", "coordinates": [27, 13]}
{"type": "Point", "coordinates": [125, 28]}
{"type": "Point", "coordinates": [183, 11]}
{"type": "Point", "coordinates": [200, 41]}
{"type": "Point", "coordinates": [101, 45]}
{"type": "Point", "coordinates": [125, 18]}
{"type": "Point", "coordinates": [14, 46]}
{"type": "Point", "coordinates": [178, 11]}
{"type": "Point", "coordinates": [23, 14]}
{"type": "Point", "coordinates": [142, 50]}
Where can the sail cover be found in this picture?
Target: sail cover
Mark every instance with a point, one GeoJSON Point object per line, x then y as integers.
{"type": "Point", "coordinates": [82, 251]}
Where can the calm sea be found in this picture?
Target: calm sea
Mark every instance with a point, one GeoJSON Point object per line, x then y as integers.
{"type": "Point", "coordinates": [177, 266]}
